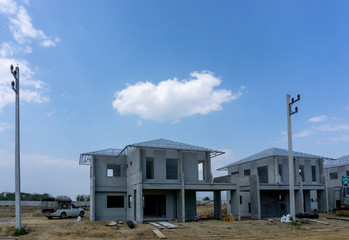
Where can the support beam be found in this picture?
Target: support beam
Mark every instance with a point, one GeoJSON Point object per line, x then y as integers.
{"type": "Point", "coordinates": [235, 203]}
{"type": "Point", "coordinates": [255, 197]}
{"type": "Point", "coordinates": [217, 205]}
{"type": "Point", "coordinates": [93, 189]}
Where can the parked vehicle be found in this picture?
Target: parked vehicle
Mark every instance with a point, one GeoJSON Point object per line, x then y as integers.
{"type": "Point", "coordinates": [60, 207]}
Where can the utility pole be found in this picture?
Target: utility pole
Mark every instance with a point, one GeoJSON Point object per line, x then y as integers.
{"type": "Point", "coordinates": [290, 157]}
{"type": "Point", "coordinates": [15, 87]}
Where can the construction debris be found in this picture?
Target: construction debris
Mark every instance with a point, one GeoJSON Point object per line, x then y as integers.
{"type": "Point", "coordinates": [112, 223]}
{"type": "Point", "coordinates": [168, 225]}
{"type": "Point", "coordinates": [130, 224]}
{"type": "Point", "coordinates": [312, 220]}
{"type": "Point", "coordinates": [159, 234]}
{"type": "Point", "coordinates": [157, 225]}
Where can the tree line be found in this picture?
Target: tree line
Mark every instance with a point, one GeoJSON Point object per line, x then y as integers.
{"type": "Point", "coordinates": [10, 196]}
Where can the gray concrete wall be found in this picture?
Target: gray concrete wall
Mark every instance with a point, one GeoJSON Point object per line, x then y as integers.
{"type": "Point", "coordinates": [102, 180]}
{"type": "Point", "coordinates": [103, 213]}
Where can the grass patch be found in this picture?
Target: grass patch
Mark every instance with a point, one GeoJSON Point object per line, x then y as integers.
{"type": "Point", "coordinates": [19, 231]}
{"type": "Point", "coordinates": [297, 226]}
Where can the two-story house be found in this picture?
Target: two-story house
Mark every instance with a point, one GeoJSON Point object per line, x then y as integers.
{"type": "Point", "coordinates": [262, 183]}
{"type": "Point", "coordinates": [151, 180]}
{"type": "Point", "coordinates": [334, 171]}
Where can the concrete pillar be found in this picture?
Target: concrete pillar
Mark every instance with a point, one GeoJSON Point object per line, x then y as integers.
{"type": "Point", "coordinates": [92, 189]}
{"type": "Point", "coordinates": [322, 201]}
{"type": "Point", "coordinates": [209, 177]}
{"type": "Point", "coordinates": [255, 197]}
{"type": "Point", "coordinates": [139, 203]}
{"type": "Point", "coordinates": [234, 203]}
{"type": "Point", "coordinates": [217, 205]}
{"type": "Point", "coordinates": [298, 178]}
{"type": "Point", "coordinates": [276, 171]}
{"type": "Point", "coordinates": [299, 205]}
{"type": "Point", "coordinates": [331, 198]}
{"type": "Point", "coordinates": [181, 205]}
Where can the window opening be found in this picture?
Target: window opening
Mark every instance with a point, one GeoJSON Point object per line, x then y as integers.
{"type": "Point", "coordinates": [115, 201]}
{"type": "Point", "coordinates": [113, 170]}
{"type": "Point", "coordinates": [171, 168]}
{"type": "Point", "coordinates": [149, 168]}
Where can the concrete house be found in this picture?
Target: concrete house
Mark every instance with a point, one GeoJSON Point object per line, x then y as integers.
{"type": "Point", "coordinates": [151, 180]}
{"type": "Point", "coordinates": [262, 183]}
{"type": "Point", "coordinates": [334, 170]}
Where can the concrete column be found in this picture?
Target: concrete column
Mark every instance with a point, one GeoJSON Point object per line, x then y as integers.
{"type": "Point", "coordinates": [181, 208]}
{"type": "Point", "coordinates": [139, 203]}
{"type": "Point", "coordinates": [276, 171]}
{"type": "Point", "coordinates": [92, 190]}
{"type": "Point", "coordinates": [299, 205]}
{"type": "Point", "coordinates": [321, 172]}
{"type": "Point", "coordinates": [298, 177]}
{"type": "Point", "coordinates": [322, 201]}
{"type": "Point", "coordinates": [255, 197]}
{"type": "Point", "coordinates": [217, 205]}
{"type": "Point", "coordinates": [209, 177]}
{"type": "Point", "coordinates": [235, 203]}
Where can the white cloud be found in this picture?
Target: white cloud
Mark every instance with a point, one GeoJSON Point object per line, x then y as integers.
{"type": "Point", "coordinates": [317, 119]}
{"type": "Point", "coordinates": [30, 89]}
{"type": "Point", "coordinates": [8, 7]}
{"type": "Point", "coordinates": [6, 50]}
{"type": "Point", "coordinates": [172, 100]}
{"type": "Point", "coordinates": [333, 127]}
{"type": "Point", "coordinates": [20, 24]}
{"type": "Point", "coordinates": [303, 133]}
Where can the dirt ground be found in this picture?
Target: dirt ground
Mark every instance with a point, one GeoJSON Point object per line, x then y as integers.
{"type": "Point", "coordinates": [42, 228]}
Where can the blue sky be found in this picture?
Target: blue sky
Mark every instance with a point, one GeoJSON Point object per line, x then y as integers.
{"type": "Point", "coordinates": [96, 75]}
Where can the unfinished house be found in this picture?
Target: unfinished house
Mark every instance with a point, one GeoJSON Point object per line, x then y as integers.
{"type": "Point", "coordinates": [150, 181]}
{"type": "Point", "coordinates": [262, 184]}
{"type": "Point", "coordinates": [334, 171]}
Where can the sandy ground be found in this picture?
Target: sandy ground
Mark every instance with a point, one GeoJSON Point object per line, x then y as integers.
{"type": "Point", "coordinates": [42, 228]}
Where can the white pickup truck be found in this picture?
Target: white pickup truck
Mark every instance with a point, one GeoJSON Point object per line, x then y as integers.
{"type": "Point", "coordinates": [60, 207]}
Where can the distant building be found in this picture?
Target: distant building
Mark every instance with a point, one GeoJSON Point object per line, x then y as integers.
{"type": "Point", "coordinates": [334, 170]}
{"type": "Point", "coordinates": [151, 180]}
{"type": "Point", "coordinates": [262, 184]}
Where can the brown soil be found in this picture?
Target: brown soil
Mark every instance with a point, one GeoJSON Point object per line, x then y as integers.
{"type": "Point", "coordinates": [42, 228]}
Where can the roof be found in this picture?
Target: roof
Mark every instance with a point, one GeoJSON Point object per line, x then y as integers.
{"type": "Point", "coordinates": [85, 158]}
{"type": "Point", "coordinates": [344, 160]}
{"type": "Point", "coordinates": [270, 153]}
{"type": "Point", "coordinates": [162, 143]}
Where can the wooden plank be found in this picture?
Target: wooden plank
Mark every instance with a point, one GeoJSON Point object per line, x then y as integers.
{"type": "Point", "coordinates": [312, 220]}
{"type": "Point", "coordinates": [159, 234]}
{"type": "Point", "coordinates": [157, 225]}
{"type": "Point", "coordinates": [168, 225]}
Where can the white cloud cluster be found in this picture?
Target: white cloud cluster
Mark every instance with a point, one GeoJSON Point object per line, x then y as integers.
{"type": "Point", "coordinates": [172, 100]}
{"type": "Point", "coordinates": [20, 24]}
{"type": "Point", "coordinates": [303, 133]}
{"type": "Point", "coordinates": [317, 119]}
{"type": "Point", "coordinates": [31, 89]}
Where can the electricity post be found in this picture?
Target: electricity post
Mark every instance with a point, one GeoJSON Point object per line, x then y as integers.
{"type": "Point", "coordinates": [290, 157]}
{"type": "Point", "coordinates": [15, 87]}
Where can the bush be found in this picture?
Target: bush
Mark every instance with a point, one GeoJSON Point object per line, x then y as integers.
{"type": "Point", "coordinates": [19, 231]}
